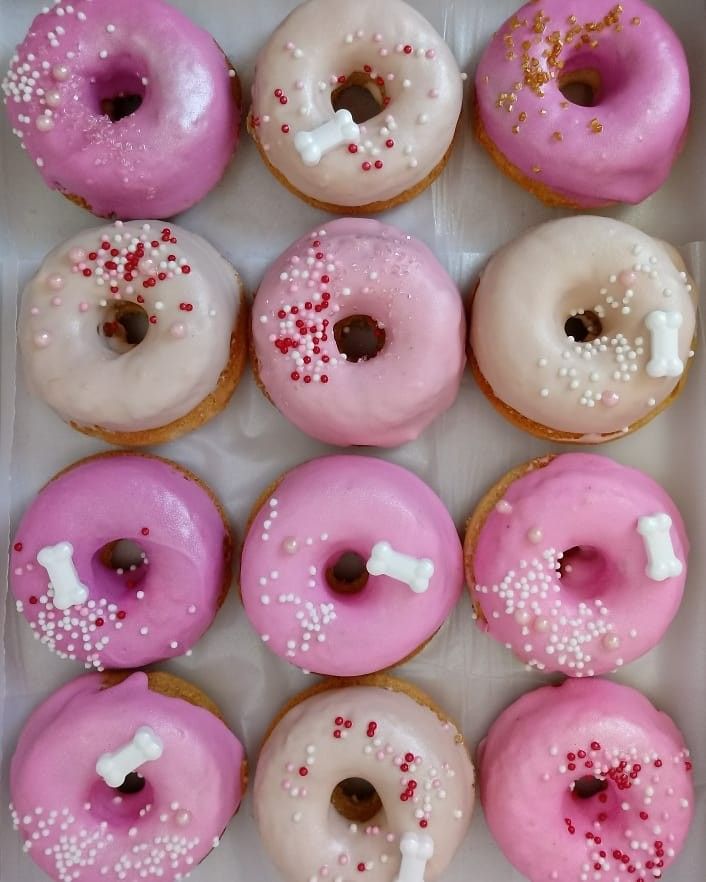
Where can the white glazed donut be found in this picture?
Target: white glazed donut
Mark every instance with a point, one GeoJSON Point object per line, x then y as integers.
{"type": "Point", "coordinates": [76, 347]}
{"type": "Point", "coordinates": [380, 732]}
{"type": "Point", "coordinates": [581, 328]}
{"type": "Point", "coordinates": [327, 159]}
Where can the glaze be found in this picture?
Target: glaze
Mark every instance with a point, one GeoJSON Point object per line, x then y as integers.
{"type": "Point", "coordinates": [621, 147]}
{"type": "Point", "coordinates": [397, 55]}
{"type": "Point", "coordinates": [415, 761]}
{"type": "Point", "coordinates": [351, 268]}
{"type": "Point", "coordinates": [605, 277]}
{"type": "Point", "coordinates": [77, 60]}
{"type": "Point", "coordinates": [623, 751]}
{"type": "Point", "coordinates": [74, 351]}
{"type": "Point", "coordinates": [77, 828]}
{"type": "Point", "coordinates": [319, 511]}
{"type": "Point", "coordinates": [157, 609]}
{"type": "Point", "coordinates": [561, 570]}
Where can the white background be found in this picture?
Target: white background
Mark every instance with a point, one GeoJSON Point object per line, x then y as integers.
{"type": "Point", "coordinates": [471, 210]}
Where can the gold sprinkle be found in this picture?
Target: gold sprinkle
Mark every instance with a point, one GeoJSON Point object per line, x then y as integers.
{"type": "Point", "coordinates": [596, 126]}
{"type": "Point", "coordinates": [536, 169]}
{"type": "Point", "coordinates": [558, 136]}
{"type": "Point", "coordinates": [572, 19]}
{"type": "Point", "coordinates": [523, 116]}
{"type": "Point", "coordinates": [509, 55]}
{"type": "Point", "coordinates": [636, 20]}
{"type": "Point", "coordinates": [515, 130]}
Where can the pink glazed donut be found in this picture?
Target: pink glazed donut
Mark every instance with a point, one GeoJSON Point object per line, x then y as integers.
{"type": "Point", "coordinates": [337, 549]}
{"type": "Point", "coordinates": [77, 599]}
{"type": "Point", "coordinates": [88, 810]}
{"type": "Point", "coordinates": [586, 782]}
{"type": "Point", "coordinates": [129, 108]}
{"type": "Point", "coordinates": [576, 563]}
{"type": "Point", "coordinates": [618, 141]}
{"type": "Point", "coordinates": [358, 334]}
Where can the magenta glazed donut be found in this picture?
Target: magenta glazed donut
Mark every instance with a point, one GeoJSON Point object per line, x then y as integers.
{"type": "Point", "coordinates": [129, 109]}
{"type": "Point", "coordinates": [124, 782]}
{"type": "Point", "coordinates": [66, 573]}
{"type": "Point", "coordinates": [587, 782]}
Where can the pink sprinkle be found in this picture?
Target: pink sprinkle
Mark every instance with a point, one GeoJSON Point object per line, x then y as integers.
{"type": "Point", "coordinates": [34, 311]}
{"type": "Point", "coordinates": [343, 859]}
{"type": "Point", "coordinates": [430, 53]}
{"type": "Point", "coordinates": [56, 301]}
{"type": "Point", "coordinates": [610, 399]}
{"type": "Point", "coordinates": [290, 767]}
{"type": "Point", "coordinates": [76, 255]}
{"type": "Point", "coordinates": [299, 84]}
{"type": "Point", "coordinates": [286, 784]}
{"type": "Point", "coordinates": [503, 507]}
{"type": "Point", "coordinates": [289, 45]}
{"type": "Point", "coordinates": [83, 307]}
{"type": "Point", "coordinates": [378, 38]}
{"type": "Point", "coordinates": [178, 330]}
{"type": "Point", "coordinates": [56, 282]}
{"type": "Point", "coordinates": [433, 93]}
{"type": "Point", "coordinates": [627, 278]}
{"type": "Point", "coordinates": [380, 754]}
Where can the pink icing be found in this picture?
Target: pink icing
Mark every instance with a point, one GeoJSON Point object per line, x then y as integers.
{"type": "Point", "coordinates": [547, 740]}
{"type": "Point", "coordinates": [157, 611]}
{"type": "Point", "coordinates": [622, 148]}
{"type": "Point", "coordinates": [605, 610]}
{"type": "Point", "coordinates": [69, 819]}
{"type": "Point", "coordinates": [319, 511]}
{"type": "Point", "coordinates": [156, 162]}
{"type": "Point", "coordinates": [359, 267]}
{"type": "Point", "coordinates": [385, 737]}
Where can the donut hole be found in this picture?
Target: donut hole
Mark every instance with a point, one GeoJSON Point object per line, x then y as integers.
{"type": "Point", "coordinates": [589, 786]}
{"type": "Point", "coordinates": [347, 573]}
{"type": "Point", "coordinates": [584, 326]}
{"type": "Point", "coordinates": [120, 566]}
{"type": "Point", "coordinates": [581, 87]}
{"type": "Point", "coordinates": [118, 93]}
{"type": "Point", "coordinates": [124, 326]}
{"type": "Point", "coordinates": [584, 571]}
{"type": "Point", "coordinates": [359, 337]}
{"type": "Point", "coordinates": [356, 799]}
{"type": "Point", "coordinates": [361, 95]}
{"type": "Point", "coordinates": [126, 804]}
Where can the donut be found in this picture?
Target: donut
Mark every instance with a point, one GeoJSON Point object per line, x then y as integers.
{"type": "Point", "coordinates": [576, 563]}
{"type": "Point", "coordinates": [321, 578]}
{"type": "Point", "coordinates": [354, 107]}
{"type": "Point", "coordinates": [584, 102]}
{"type": "Point", "coordinates": [121, 560]}
{"type": "Point", "coordinates": [357, 777]}
{"type": "Point", "coordinates": [130, 110]}
{"type": "Point", "coordinates": [581, 329]}
{"type": "Point", "coordinates": [124, 777]}
{"type": "Point", "coordinates": [586, 782]}
{"type": "Point", "coordinates": [134, 333]}
{"type": "Point", "coordinates": [358, 334]}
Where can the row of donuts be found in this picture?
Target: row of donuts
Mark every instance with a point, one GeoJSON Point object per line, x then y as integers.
{"type": "Point", "coordinates": [340, 546]}
{"type": "Point", "coordinates": [135, 112]}
{"type": "Point", "coordinates": [136, 776]}
{"type": "Point", "coordinates": [580, 331]}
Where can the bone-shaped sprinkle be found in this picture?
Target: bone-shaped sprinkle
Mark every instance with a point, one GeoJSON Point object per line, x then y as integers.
{"type": "Point", "coordinates": [417, 849]}
{"type": "Point", "coordinates": [662, 563]}
{"type": "Point", "coordinates": [664, 332]}
{"type": "Point", "coordinates": [413, 571]}
{"type": "Point", "coordinates": [67, 588]}
{"type": "Point", "coordinates": [335, 132]}
{"type": "Point", "coordinates": [145, 746]}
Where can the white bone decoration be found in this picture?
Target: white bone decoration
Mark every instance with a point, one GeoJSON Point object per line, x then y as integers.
{"type": "Point", "coordinates": [64, 582]}
{"type": "Point", "coordinates": [145, 746]}
{"type": "Point", "coordinates": [662, 563]}
{"type": "Point", "coordinates": [664, 331]}
{"type": "Point", "coordinates": [335, 132]}
{"type": "Point", "coordinates": [413, 571]}
{"type": "Point", "coordinates": [417, 849]}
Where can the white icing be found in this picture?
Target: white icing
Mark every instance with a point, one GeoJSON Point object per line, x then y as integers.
{"type": "Point", "coordinates": [664, 327]}
{"type": "Point", "coordinates": [70, 366]}
{"type": "Point", "coordinates": [67, 588]}
{"type": "Point", "coordinates": [416, 849]}
{"type": "Point", "coordinates": [335, 132]}
{"type": "Point", "coordinates": [662, 563]}
{"type": "Point", "coordinates": [144, 747]}
{"type": "Point", "coordinates": [415, 572]}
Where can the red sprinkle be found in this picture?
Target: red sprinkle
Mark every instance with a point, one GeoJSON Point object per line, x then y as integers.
{"type": "Point", "coordinates": [348, 724]}
{"type": "Point", "coordinates": [186, 269]}
{"type": "Point", "coordinates": [644, 816]}
{"type": "Point", "coordinates": [366, 166]}
{"type": "Point", "coordinates": [336, 732]}
{"type": "Point", "coordinates": [324, 379]}
{"type": "Point", "coordinates": [423, 823]}
{"type": "Point", "coordinates": [352, 148]}
{"type": "Point", "coordinates": [17, 546]}
{"type": "Point", "coordinates": [407, 50]}
{"type": "Point", "coordinates": [378, 163]}
{"type": "Point", "coordinates": [294, 375]}
{"type": "Point", "coordinates": [153, 319]}
{"type": "Point", "coordinates": [303, 771]}
{"type": "Point", "coordinates": [361, 867]}
{"type": "Point", "coordinates": [595, 745]}
{"type": "Point", "coordinates": [145, 531]}
{"type": "Point", "coordinates": [389, 143]}
{"type": "Point", "coordinates": [278, 93]}
{"type": "Point", "coordinates": [120, 614]}
{"type": "Point", "coordinates": [99, 623]}
{"type": "Point", "coordinates": [409, 757]}
{"type": "Point", "coordinates": [283, 99]}
{"type": "Point", "coordinates": [285, 129]}
{"type": "Point", "coordinates": [87, 272]}
{"type": "Point", "coordinates": [33, 599]}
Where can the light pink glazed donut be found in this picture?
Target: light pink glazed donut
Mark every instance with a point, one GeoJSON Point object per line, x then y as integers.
{"type": "Point", "coordinates": [127, 108]}
{"type": "Point", "coordinates": [354, 779]}
{"type": "Point", "coordinates": [358, 334]}
{"type": "Point", "coordinates": [577, 563]}
{"type": "Point", "coordinates": [124, 782]}
{"type": "Point", "coordinates": [339, 548]}
{"type": "Point", "coordinates": [618, 142]}
{"type": "Point", "coordinates": [582, 328]}
{"type": "Point", "coordinates": [83, 606]}
{"type": "Point", "coordinates": [586, 782]}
